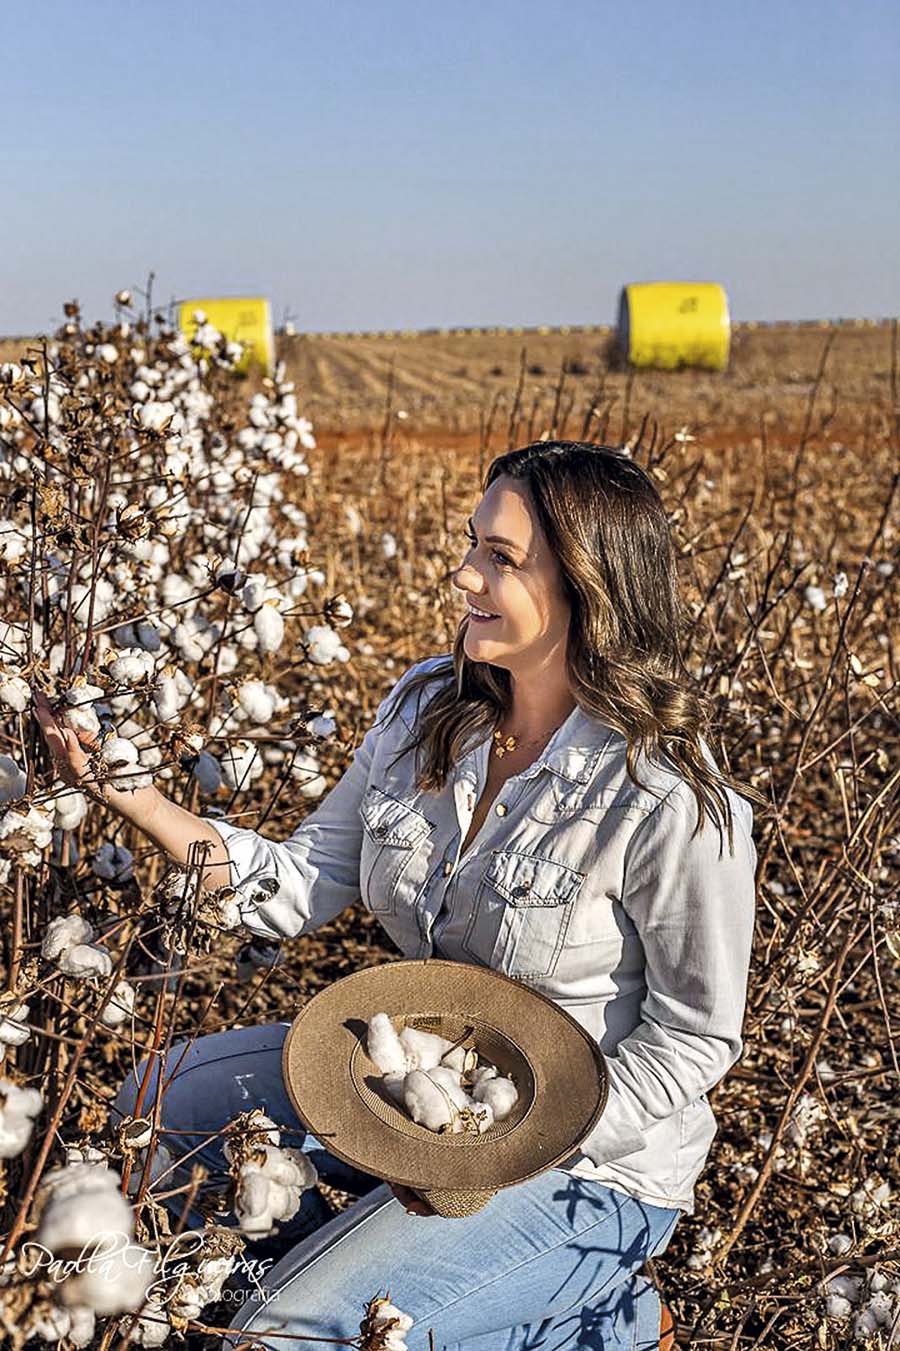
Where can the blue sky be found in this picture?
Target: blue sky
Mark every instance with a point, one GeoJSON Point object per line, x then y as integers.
{"type": "Point", "coordinates": [399, 164]}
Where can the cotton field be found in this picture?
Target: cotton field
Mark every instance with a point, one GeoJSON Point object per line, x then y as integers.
{"type": "Point", "coordinates": [219, 603]}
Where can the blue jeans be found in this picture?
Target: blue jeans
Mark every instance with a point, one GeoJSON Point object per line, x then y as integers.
{"type": "Point", "coordinates": [552, 1263]}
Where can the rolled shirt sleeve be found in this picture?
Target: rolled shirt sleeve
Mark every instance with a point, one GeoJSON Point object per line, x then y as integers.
{"type": "Point", "coordinates": [290, 887]}
{"type": "Point", "coordinates": [693, 909]}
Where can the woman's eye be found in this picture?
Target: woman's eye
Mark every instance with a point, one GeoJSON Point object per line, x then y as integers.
{"type": "Point", "coordinates": [496, 553]}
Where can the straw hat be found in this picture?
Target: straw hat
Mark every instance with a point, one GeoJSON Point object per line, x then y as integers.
{"type": "Point", "coordinates": [336, 1088]}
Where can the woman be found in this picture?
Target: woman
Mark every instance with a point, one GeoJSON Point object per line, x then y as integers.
{"type": "Point", "coordinates": [542, 800]}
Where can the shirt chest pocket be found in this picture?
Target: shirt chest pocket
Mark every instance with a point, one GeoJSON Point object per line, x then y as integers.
{"type": "Point", "coordinates": [521, 912]}
{"type": "Point", "coordinates": [393, 832]}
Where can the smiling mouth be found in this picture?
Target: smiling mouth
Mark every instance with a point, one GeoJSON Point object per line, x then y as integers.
{"type": "Point", "coordinates": [480, 616]}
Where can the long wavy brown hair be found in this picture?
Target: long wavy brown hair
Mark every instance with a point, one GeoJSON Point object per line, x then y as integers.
{"type": "Point", "coordinates": [606, 525]}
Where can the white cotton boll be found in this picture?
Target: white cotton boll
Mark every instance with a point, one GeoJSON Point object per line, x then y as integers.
{"type": "Point", "coordinates": [82, 719]}
{"type": "Point", "coordinates": [815, 598]}
{"type": "Point", "coordinates": [257, 701]}
{"type": "Point", "coordinates": [48, 1321]}
{"type": "Point", "coordinates": [27, 833]}
{"type": "Point", "coordinates": [84, 961]}
{"type": "Point", "coordinates": [120, 1006]}
{"type": "Point", "coordinates": [70, 808]}
{"type": "Point", "coordinates": [865, 1324]}
{"type": "Point", "coordinates": [108, 353]}
{"type": "Point", "coordinates": [82, 1200]}
{"type": "Point", "coordinates": [322, 726]}
{"type": "Point", "coordinates": [139, 391]}
{"type": "Point", "coordinates": [448, 1080]}
{"type": "Point", "coordinates": [118, 754]}
{"type": "Point", "coordinates": [426, 1102]}
{"type": "Point", "coordinates": [840, 1244]}
{"type": "Point", "coordinates": [305, 769]}
{"type": "Point", "coordinates": [268, 625]}
{"type": "Point", "coordinates": [423, 1049]}
{"type": "Point", "coordinates": [82, 1326]}
{"type": "Point", "coordinates": [499, 1094]}
{"type": "Point", "coordinates": [117, 1283]}
{"type": "Point", "coordinates": [113, 862]}
{"type": "Point", "coordinates": [391, 1324]}
{"type": "Point", "coordinates": [12, 780]}
{"type": "Point", "coordinates": [323, 644]}
{"type": "Point", "coordinates": [840, 585]}
{"type": "Point", "coordinates": [384, 1046]}
{"type": "Point", "coordinates": [838, 1307]}
{"type": "Point", "coordinates": [255, 591]}
{"type": "Point", "coordinates": [461, 1060]}
{"type": "Point", "coordinates": [388, 545]}
{"type": "Point", "coordinates": [13, 1031]}
{"type": "Point", "coordinates": [167, 699]}
{"type": "Point", "coordinates": [848, 1287]}
{"type": "Point", "coordinates": [341, 613]}
{"type": "Point", "coordinates": [131, 666]}
{"type": "Point", "coordinates": [354, 520]}
{"type": "Point", "coordinates": [64, 932]}
{"type": "Point", "coordinates": [152, 1327]}
{"type": "Point", "coordinates": [15, 693]}
{"type": "Point", "coordinates": [483, 1073]}
{"type": "Point", "coordinates": [18, 1109]}
{"type": "Point", "coordinates": [241, 764]}
{"type": "Point", "coordinates": [82, 693]}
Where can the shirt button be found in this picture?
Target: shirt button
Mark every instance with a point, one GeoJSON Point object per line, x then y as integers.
{"type": "Point", "coordinates": [448, 867]}
{"type": "Point", "coordinates": [500, 809]}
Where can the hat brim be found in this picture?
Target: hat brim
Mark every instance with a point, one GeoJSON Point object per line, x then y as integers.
{"type": "Point", "coordinates": [336, 1088]}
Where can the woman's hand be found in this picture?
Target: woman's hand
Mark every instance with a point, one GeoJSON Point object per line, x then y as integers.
{"type": "Point", "coordinates": [411, 1200]}
{"type": "Point", "coordinates": [70, 759]}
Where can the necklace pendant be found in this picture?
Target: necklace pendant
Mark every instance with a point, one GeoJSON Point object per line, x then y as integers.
{"type": "Point", "coordinates": [501, 746]}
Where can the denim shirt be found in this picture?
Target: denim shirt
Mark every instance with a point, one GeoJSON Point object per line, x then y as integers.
{"type": "Point", "coordinates": [579, 883]}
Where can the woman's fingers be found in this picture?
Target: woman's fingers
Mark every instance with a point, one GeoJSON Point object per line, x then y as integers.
{"type": "Point", "coordinates": [68, 755]}
{"type": "Point", "coordinates": [411, 1200]}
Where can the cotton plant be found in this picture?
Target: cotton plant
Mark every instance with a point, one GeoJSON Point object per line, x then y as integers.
{"type": "Point", "coordinates": [384, 1326]}
{"type": "Point", "coordinates": [79, 1206]}
{"type": "Point", "coordinates": [324, 645]}
{"type": "Point", "coordinates": [68, 943]}
{"type": "Point", "coordinates": [269, 1179]}
{"type": "Point", "coordinates": [442, 1086]}
{"type": "Point", "coordinates": [865, 1307]}
{"type": "Point", "coordinates": [19, 1107]}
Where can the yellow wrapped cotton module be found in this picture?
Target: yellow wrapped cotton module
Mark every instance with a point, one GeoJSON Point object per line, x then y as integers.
{"type": "Point", "coordinates": [674, 323]}
{"type": "Point", "coordinates": [243, 319]}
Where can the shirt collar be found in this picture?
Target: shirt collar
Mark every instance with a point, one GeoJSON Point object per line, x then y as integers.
{"type": "Point", "coordinates": [572, 752]}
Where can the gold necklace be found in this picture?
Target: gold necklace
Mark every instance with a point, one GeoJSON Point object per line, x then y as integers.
{"type": "Point", "coordinates": [509, 743]}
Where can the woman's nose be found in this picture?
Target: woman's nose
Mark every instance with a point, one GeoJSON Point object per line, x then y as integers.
{"type": "Point", "coordinates": [466, 578]}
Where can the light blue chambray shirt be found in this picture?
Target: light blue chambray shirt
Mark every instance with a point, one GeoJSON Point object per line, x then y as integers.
{"type": "Point", "coordinates": [579, 883]}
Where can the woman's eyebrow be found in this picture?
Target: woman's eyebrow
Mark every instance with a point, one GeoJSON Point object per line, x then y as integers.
{"type": "Point", "coordinates": [498, 539]}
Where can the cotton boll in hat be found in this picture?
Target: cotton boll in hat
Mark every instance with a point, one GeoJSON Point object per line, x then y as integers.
{"type": "Point", "coordinates": [500, 1095]}
{"type": "Point", "coordinates": [427, 1103]}
{"type": "Point", "coordinates": [423, 1049]}
{"type": "Point", "coordinates": [384, 1045]}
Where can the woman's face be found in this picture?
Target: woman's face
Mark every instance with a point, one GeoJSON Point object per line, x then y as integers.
{"type": "Point", "coordinates": [510, 572]}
